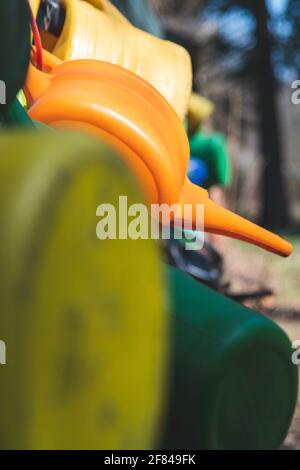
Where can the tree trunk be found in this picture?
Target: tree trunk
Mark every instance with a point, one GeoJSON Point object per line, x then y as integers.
{"type": "Point", "coordinates": [275, 213]}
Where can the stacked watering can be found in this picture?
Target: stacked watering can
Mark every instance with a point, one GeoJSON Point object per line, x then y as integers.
{"type": "Point", "coordinates": [98, 358]}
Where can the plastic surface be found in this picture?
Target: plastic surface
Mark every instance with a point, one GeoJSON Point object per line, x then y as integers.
{"type": "Point", "coordinates": [86, 351]}
{"type": "Point", "coordinates": [199, 110]}
{"type": "Point", "coordinates": [15, 45]}
{"type": "Point", "coordinates": [128, 113]}
{"type": "Point", "coordinates": [198, 171]}
{"type": "Point", "coordinates": [211, 149]}
{"type": "Point", "coordinates": [15, 116]}
{"type": "Point", "coordinates": [233, 382]}
{"type": "Point", "coordinates": [97, 30]}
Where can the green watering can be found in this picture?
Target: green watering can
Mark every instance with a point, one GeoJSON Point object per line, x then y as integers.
{"type": "Point", "coordinates": [233, 383]}
{"type": "Point", "coordinates": [15, 46]}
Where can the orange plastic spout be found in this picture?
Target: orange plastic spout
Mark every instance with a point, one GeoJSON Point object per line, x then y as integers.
{"type": "Point", "coordinates": [224, 222]}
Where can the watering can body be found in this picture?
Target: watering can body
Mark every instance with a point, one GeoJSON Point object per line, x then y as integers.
{"type": "Point", "coordinates": [128, 113]}
{"type": "Point", "coordinates": [84, 370]}
{"type": "Point", "coordinates": [233, 382]}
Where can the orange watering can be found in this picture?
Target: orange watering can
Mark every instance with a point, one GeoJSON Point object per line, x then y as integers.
{"type": "Point", "coordinates": [95, 29]}
{"type": "Point", "coordinates": [132, 116]}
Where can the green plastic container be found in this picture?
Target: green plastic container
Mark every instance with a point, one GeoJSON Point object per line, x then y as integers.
{"type": "Point", "coordinates": [14, 45]}
{"type": "Point", "coordinates": [213, 151]}
{"type": "Point", "coordinates": [15, 116]}
{"type": "Point", "coordinates": [233, 384]}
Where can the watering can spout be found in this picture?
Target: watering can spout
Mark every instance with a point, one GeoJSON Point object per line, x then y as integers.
{"type": "Point", "coordinates": [224, 222]}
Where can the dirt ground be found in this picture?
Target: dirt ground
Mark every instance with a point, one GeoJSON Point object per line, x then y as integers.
{"type": "Point", "coordinates": [250, 269]}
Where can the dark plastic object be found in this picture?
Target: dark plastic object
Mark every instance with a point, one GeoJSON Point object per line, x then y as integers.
{"type": "Point", "coordinates": [15, 45]}
{"type": "Point", "coordinates": [51, 16]}
{"type": "Point", "coordinates": [205, 266]}
{"type": "Point", "coordinates": [233, 382]}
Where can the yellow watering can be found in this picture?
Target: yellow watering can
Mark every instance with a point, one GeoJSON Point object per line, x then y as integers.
{"type": "Point", "coordinates": [87, 350]}
{"type": "Point", "coordinates": [95, 29]}
{"type": "Point", "coordinates": [128, 113]}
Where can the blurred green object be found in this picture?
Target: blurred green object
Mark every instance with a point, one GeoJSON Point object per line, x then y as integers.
{"type": "Point", "coordinates": [86, 332]}
{"type": "Point", "coordinates": [15, 116]}
{"type": "Point", "coordinates": [15, 46]}
{"type": "Point", "coordinates": [213, 151]}
{"type": "Point", "coordinates": [233, 384]}
{"type": "Point", "coordinates": [22, 99]}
